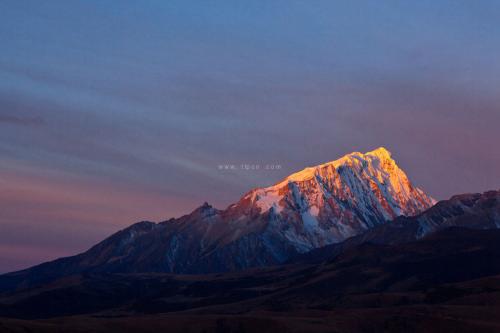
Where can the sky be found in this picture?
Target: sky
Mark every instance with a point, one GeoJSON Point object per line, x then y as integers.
{"type": "Point", "coordinates": [113, 112]}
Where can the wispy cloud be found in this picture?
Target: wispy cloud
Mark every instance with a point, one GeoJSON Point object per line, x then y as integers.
{"type": "Point", "coordinates": [21, 121]}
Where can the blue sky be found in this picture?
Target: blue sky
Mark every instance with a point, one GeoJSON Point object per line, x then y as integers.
{"type": "Point", "coordinates": [112, 112]}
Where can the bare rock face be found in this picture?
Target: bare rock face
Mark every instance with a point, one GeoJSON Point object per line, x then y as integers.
{"type": "Point", "coordinates": [312, 208]}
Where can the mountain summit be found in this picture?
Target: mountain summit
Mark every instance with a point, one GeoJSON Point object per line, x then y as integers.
{"type": "Point", "coordinates": [343, 197]}
{"type": "Point", "coordinates": [311, 208]}
{"type": "Point", "coordinates": [333, 201]}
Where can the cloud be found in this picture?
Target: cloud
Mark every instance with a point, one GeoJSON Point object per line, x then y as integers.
{"type": "Point", "coordinates": [21, 121]}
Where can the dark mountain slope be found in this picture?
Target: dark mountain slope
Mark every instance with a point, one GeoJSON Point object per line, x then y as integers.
{"type": "Point", "coordinates": [432, 278]}
{"type": "Point", "coordinates": [449, 256]}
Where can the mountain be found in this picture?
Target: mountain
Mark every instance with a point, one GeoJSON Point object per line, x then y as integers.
{"type": "Point", "coordinates": [473, 211]}
{"type": "Point", "coordinates": [309, 209]}
{"type": "Point", "coordinates": [438, 271]}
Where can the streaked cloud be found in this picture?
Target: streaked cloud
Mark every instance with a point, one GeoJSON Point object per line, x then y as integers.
{"type": "Point", "coordinates": [22, 121]}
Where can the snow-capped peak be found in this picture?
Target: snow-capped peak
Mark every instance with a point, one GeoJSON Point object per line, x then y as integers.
{"type": "Point", "coordinates": [340, 198]}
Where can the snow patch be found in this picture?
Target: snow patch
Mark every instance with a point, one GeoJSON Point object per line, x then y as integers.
{"type": "Point", "coordinates": [266, 200]}
{"type": "Point", "coordinates": [310, 222]}
{"type": "Point", "coordinates": [314, 211]}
